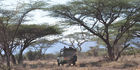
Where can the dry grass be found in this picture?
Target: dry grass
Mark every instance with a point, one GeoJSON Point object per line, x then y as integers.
{"type": "Point", "coordinates": [87, 63]}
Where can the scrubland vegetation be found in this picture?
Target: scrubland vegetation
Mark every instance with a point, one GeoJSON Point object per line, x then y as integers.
{"type": "Point", "coordinates": [114, 25]}
{"type": "Point", "coordinates": [86, 61]}
{"type": "Point", "coordinates": [127, 62]}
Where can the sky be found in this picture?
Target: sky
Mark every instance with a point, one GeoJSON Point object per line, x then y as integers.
{"type": "Point", "coordinates": [40, 17]}
{"type": "Point", "coordinates": [85, 47]}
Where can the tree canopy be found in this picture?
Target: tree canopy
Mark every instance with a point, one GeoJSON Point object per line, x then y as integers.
{"type": "Point", "coordinates": [97, 16]}
{"type": "Point", "coordinates": [16, 16]}
{"type": "Point", "coordinates": [30, 34]}
{"type": "Point", "coordinates": [35, 31]}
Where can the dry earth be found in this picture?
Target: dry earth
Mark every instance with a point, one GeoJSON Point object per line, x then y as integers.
{"type": "Point", "coordinates": [84, 63]}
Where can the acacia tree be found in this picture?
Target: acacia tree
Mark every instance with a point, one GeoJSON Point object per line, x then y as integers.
{"type": "Point", "coordinates": [136, 34]}
{"type": "Point", "coordinates": [30, 34]}
{"type": "Point", "coordinates": [128, 37]}
{"type": "Point", "coordinates": [97, 15]}
{"type": "Point", "coordinates": [16, 16]}
{"type": "Point", "coordinates": [76, 40]}
{"type": "Point", "coordinates": [42, 45]}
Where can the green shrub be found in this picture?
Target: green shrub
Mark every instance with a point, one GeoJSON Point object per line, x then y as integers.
{"type": "Point", "coordinates": [131, 51]}
{"type": "Point", "coordinates": [33, 55]}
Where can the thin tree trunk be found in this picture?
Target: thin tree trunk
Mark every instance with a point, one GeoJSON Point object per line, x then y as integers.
{"type": "Point", "coordinates": [2, 57]}
{"type": "Point", "coordinates": [20, 58]}
{"type": "Point", "coordinates": [119, 52]}
{"type": "Point", "coordinates": [8, 61]}
{"type": "Point", "coordinates": [13, 59]}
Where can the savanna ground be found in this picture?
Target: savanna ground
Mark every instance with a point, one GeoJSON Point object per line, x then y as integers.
{"type": "Point", "coordinates": [84, 63]}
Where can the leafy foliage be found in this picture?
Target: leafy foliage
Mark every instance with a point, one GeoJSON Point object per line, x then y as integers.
{"type": "Point", "coordinates": [97, 16]}
{"type": "Point", "coordinates": [33, 55]}
{"type": "Point", "coordinates": [35, 31]}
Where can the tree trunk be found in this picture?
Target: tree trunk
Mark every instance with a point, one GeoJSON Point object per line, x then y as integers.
{"type": "Point", "coordinates": [111, 53]}
{"type": "Point", "coordinates": [8, 61]}
{"type": "Point", "coordinates": [20, 58]}
{"type": "Point", "coordinates": [119, 52]}
{"type": "Point", "coordinates": [2, 57]}
{"type": "Point", "coordinates": [13, 59]}
{"type": "Point", "coordinates": [118, 56]}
